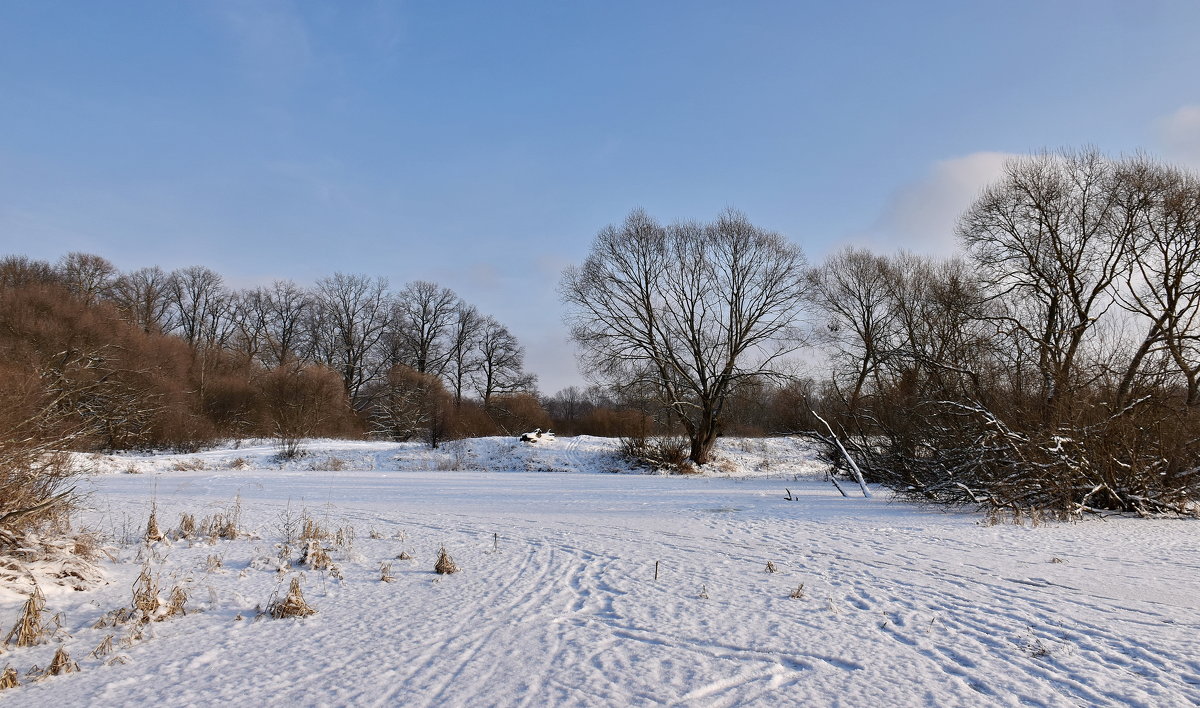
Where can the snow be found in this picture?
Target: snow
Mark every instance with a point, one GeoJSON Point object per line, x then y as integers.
{"type": "Point", "coordinates": [556, 602]}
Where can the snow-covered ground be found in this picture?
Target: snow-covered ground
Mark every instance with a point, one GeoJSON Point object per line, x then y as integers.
{"type": "Point", "coordinates": [557, 601]}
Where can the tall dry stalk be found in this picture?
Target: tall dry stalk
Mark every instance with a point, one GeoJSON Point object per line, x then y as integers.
{"type": "Point", "coordinates": [29, 629]}
{"type": "Point", "coordinates": [293, 605]}
{"type": "Point", "coordinates": [445, 565]}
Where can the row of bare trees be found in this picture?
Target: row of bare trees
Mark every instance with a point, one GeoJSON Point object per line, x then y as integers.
{"type": "Point", "coordinates": [1055, 365]}
{"type": "Point", "coordinates": [377, 341]}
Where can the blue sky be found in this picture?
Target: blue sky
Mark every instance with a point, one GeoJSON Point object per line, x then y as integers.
{"type": "Point", "coordinates": [482, 145]}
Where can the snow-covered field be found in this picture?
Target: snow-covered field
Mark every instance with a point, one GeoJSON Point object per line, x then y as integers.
{"type": "Point", "coordinates": [557, 601]}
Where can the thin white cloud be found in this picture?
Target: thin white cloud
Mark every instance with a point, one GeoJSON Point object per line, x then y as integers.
{"type": "Point", "coordinates": [271, 38]}
{"type": "Point", "coordinates": [920, 216]}
{"type": "Point", "coordinates": [1179, 135]}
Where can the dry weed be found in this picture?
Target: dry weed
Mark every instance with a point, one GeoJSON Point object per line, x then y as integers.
{"type": "Point", "coordinates": [316, 557]}
{"type": "Point", "coordinates": [187, 526]}
{"type": "Point", "coordinates": [445, 564]}
{"type": "Point", "coordinates": [132, 469]}
{"type": "Point", "coordinates": [344, 538]}
{"type": "Point", "coordinates": [104, 648]}
{"type": "Point", "coordinates": [189, 465]}
{"type": "Point", "coordinates": [175, 606]}
{"type": "Point", "coordinates": [113, 618]}
{"type": "Point", "coordinates": [404, 556]}
{"type": "Point", "coordinates": [703, 592]}
{"type": "Point", "coordinates": [798, 593]}
{"type": "Point", "coordinates": [153, 533]}
{"type": "Point", "coordinates": [213, 564]}
{"type": "Point", "coordinates": [374, 534]}
{"type": "Point", "coordinates": [239, 463]}
{"type": "Point", "coordinates": [87, 545]}
{"type": "Point", "coordinates": [29, 629]}
{"type": "Point", "coordinates": [62, 663]}
{"type": "Point", "coordinates": [9, 678]}
{"type": "Point", "coordinates": [310, 530]}
{"type": "Point", "coordinates": [771, 567]}
{"type": "Point", "coordinates": [385, 572]}
{"type": "Point", "coordinates": [146, 602]}
{"type": "Point", "coordinates": [293, 605]}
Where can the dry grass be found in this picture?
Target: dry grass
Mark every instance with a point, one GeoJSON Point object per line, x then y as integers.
{"type": "Point", "coordinates": [316, 557]}
{"type": "Point", "coordinates": [445, 564]}
{"type": "Point", "coordinates": [344, 538]}
{"type": "Point", "coordinates": [146, 601]}
{"type": "Point", "coordinates": [213, 564]}
{"type": "Point", "coordinates": [189, 465]}
{"type": "Point", "coordinates": [187, 526]}
{"type": "Point", "coordinates": [239, 463]}
{"type": "Point", "coordinates": [30, 628]}
{"type": "Point", "coordinates": [104, 648]}
{"type": "Point", "coordinates": [8, 678]}
{"type": "Point", "coordinates": [798, 593]}
{"type": "Point", "coordinates": [330, 464]}
{"type": "Point", "coordinates": [374, 534]}
{"type": "Point", "coordinates": [224, 525]}
{"type": "Point", "coordinates": [132, 469]}
{"type": "Point", "coordinates": [153, 533]}
{"type": "Point", "coordinates": [87, 545]}
{"type": "Point", "coordinates": [62, 663]}
{"type": "Point", "coordinates": [771, 567]}
{"type": "Point", "coordinates": [311, 530]}
{"type": "Point", "coordinates": [404, 556]}
{"type": "Point", "coordinates": [703, 592]}
{"type": "Point", "coordinates": [176, 604]}
{"type": "Point", "coordinates": [293, 605]}
{"type": "Point", "coordinates": [385, 572]}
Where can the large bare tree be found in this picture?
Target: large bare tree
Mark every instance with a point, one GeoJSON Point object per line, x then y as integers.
{"type": "Point", "coordinates": [689, 309]}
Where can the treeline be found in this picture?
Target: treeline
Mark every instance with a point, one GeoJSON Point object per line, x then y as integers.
{"type": "Point", "coordinates": [154, 359]}
{"type": "Point", "coordinates": [1056, 365]}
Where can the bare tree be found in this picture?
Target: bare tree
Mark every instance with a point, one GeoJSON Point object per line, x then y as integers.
{"type": "Point", "coordinates": [270, 322]}
{"type": "Point", "coordinates": [500, 364]}
{"type": "Point", "coordinates": [351, 313]}
{"type": "Point", "coordinates": [201, 306]}
{"type": "Point", "coordinates": [144, 298]}
{"type": "Point", "coordinates": [88, 276]}
{"type": "Point", "coordinates": [1161, 280]}
{"type": "Point", "coordinates": [464, 359]}
{"type": "Point", "coordinates": [424, 317]}
{"type": "Point", "coordinates": [1050, 240]}
{"type": "Point", "coordinates": [851, 291]}
{"type": "Point", "coordinates": [689, 309]}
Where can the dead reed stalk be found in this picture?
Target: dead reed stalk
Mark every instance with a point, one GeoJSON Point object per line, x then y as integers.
{"type": "Point", "coordinates": [293, 605]}
{"type": "Point", "coordinates": [445, 564]}
{"type": "Point", "coordinates": [153, 533]}
{"type": "Point", "coordinates": [8, 678]}
{"type": "Point", "coordinates": [29, 629]}
{"type": "Point", "coordinates": [104, 648]}
{"type": "Point", "coordinates": [187, 526]}
{"type": "Point", "coordinates": [146, 601]}
{"type": "Point", "coordinates": [175, 606]}
{"type": "Point", "coordinates": [62, 663]}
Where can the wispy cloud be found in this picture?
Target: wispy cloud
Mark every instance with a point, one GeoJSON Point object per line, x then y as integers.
{"type": "Point", "coordinates": [1179, 135]}
{"type": "Point", "coordinates": [920, 216]}
{"type": "Point", "coordinates": [271, 37]}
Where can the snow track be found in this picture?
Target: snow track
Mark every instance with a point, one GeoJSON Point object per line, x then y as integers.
{"type": "Point", "coordinates": [557, 603]}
